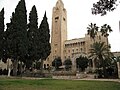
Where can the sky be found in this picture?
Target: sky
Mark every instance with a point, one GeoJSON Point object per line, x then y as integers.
{"type": "Point", "coordinates": [78, 17]}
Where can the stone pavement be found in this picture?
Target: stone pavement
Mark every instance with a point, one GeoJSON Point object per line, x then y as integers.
{"type": "Point", "coordinates": [115, 80]}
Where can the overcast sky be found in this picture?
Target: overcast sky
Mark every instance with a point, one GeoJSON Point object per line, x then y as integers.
{"type": "Point", "coordinates": [78, 17]}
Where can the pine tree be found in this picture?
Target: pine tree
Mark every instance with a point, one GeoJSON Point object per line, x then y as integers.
{"type": "Point", "coordinates": [17, 35]}
{"type": "Point", "coordinates": [32, 34]}
{"type": "Point", "coordinates": [1, 32]}
{"type": "Point", "coordinates": [44, 37]}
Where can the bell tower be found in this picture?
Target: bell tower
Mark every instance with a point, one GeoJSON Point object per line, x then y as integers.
{"type": "Point", "coordinates": [59, 30]}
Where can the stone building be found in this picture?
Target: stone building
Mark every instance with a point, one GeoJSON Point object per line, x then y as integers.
{"type": "Point", "coordinates": [60, 46]}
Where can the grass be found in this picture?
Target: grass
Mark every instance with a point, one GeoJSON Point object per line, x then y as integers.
{"type": "Point", "coordinates": [51, 84]}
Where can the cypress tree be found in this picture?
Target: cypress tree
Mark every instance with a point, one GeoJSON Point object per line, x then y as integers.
{"type": "Point", "coordinates": [1, 32]}
{"type": "Point", "coordinates": [32, 34]}
{"type": "Point", "coordinates": [17, 35]}
{"type": "Point", "coordinates": [44, 37]}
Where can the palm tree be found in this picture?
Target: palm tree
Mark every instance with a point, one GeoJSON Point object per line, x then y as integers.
{"type": "Point", "coordinates": [105, 29]}
{"type": "Point", "coordinates": [92, 30]}
{"type": "Point", "coordinates": [99, 52]}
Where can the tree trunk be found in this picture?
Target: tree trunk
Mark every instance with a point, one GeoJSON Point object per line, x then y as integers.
{"type": "Point", "coordinates": [41, 66]}
{"type": "Point", "coordinates": [104, 72]}
{"type": "Point", "coordinates": [104, 68]}
{"type": "Point", "coordinates": [9, 67]}
{"type": "Point", "coordinates": [15, 65]}
{"type": "Point", "coordinates": [93, 65]}
{"type": "Point", "coordinates": [21, 69]}
{"type": "Point", "coordinates": [93, 61]}
{"type": "Point", "coordinates": [9, 70]}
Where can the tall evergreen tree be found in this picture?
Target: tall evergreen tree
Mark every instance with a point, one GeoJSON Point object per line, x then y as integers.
{"type": "Point", "coordinates": [32, 34]}
{"type": "Point", "coordinates": [44, 47]}
{"type": "Point", "coordinates": [1, 32]}
{"type": "Point", "coordinates": [17, 35]}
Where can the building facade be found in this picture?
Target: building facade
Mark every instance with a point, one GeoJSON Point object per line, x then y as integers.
{"type": "Point", "coordinates": [60, 46]}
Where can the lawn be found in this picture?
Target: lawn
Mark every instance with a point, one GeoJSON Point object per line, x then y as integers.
{"type": "Point", "coordinates": [51, 84]}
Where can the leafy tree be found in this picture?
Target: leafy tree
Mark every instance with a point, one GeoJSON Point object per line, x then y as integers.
{"type": "Point", "coordinates": [68, 64]}
{"type": "Point", "coordinates": [57, 62]}
{"type": "Point", "coordinates": [38, 64]}
{"type": "Point", "coordinates": [32, 35]}
{"type": "Point", "coordinates": [17, 35]}
{"type": "Point", "coordinates": [100, 53]}
{"type": "Point", "coordinates": [43, 43]}
{"type": "Point", "coordinates": [1, 32]}
{"type": "Point", "coordinates": [92, 30]}
{"type": "Point", "coordinates": [104, 6]}
{"type": "Point", "coordinates": [82, 62]}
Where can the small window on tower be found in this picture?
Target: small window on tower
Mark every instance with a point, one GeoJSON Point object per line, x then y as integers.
{"type": "Point", "coordinates": [64, 19]}
{"type": "Point", "coordinates": [57, 8]}
{"type": "Point", "coordinates": [55, 44]}
{"type": "Point", "coordinates": [55, 51]}
{"type": "Point", "coordinates": [56, 18]}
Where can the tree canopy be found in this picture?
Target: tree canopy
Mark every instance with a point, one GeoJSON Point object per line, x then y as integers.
{"type": "Point", "coordinates": [32, 35]}
{"type": "Point", "coordinates": [101, 55]}
{"type": "Point", "coordinates": [57, 62]}
{"type": "Point", "coordinates": [104, 6]}
{"type": "Point", "coordinates": [16, 34]}
{"type": "Point", "coordinates": [1, 32]}
{"type": "Point", "coordinates": [44, 39]}
{"type": "Point", "coordinates": [92, 30]}
{"type": "Point", "coordinates": [68, 64]}
{"type": "Point", "coordinates": [82, 62]}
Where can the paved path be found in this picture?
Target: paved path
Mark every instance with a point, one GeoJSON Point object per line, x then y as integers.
{"type": "Point", "coordinates": [115, 80]}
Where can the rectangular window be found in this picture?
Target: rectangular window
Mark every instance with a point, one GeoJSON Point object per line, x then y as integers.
{"type": "Point", "coordinates": [56, 18]}
{"type": "Point", "coordinates": [65, 51]}
{"type": "Point", "coordinates": [55, 44]}
{"type": "Point", "coordinates": [64, 19]}
{"type": "Point", "coordinates": [76, 50]}
{"type": "Point", "coordinates": [65, 57]}
{"type": "Point", "coordinates": [68, 56]}
{"type": "Point", "coordinates": [73, 50]}
{"type": "Point", "coordinates": [69, 51]}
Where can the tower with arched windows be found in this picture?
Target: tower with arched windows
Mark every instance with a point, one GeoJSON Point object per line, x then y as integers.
{"type": "Point", "coordinates": [59, 30]}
